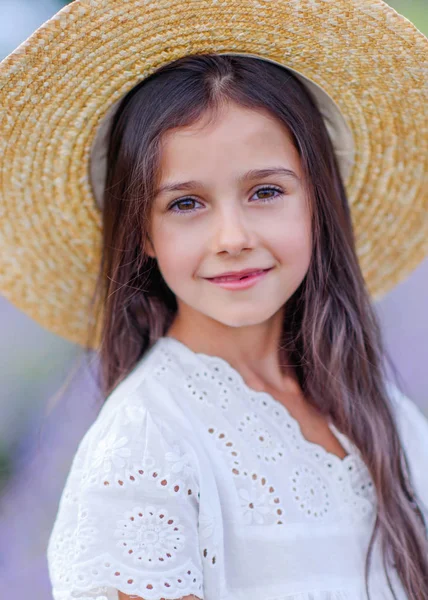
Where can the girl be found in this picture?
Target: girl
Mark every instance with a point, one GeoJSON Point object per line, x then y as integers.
{"type": "Point", "coordinates": [250, 445]}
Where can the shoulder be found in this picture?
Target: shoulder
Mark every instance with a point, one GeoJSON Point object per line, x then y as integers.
{"type": "Point", "coordinates": [409, 415]}
{"type": "Point", "coordinates": [149, 395]}
{"type": "Point", "coordinates": [129, 508]}
{"type": "Point", "coordinates": [411, 421]}
{"type": "Point", "coordinates": [140, 423]}
{"type": "Point", "coordinates": [412, 425]}
{"type": "Point", "coordinates": [129, 514]}
{"type": "Point", "coordinates": [147, 373]}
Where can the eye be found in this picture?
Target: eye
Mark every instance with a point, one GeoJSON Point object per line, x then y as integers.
{"type": "Point", "coordinates": [183, 202]}
{"type": "Point", "coordinates": [268, 189]}
{"type": "Point", "coordinates": [174, 207]}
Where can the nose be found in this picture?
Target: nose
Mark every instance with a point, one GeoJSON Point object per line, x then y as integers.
{"type": "Point", "coordinates": [232, 231]}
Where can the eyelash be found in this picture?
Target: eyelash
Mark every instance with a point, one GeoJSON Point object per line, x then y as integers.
{"type": "Point", "coordinates": [192, 210]}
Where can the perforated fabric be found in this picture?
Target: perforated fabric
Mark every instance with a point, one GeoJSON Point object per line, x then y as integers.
{"type": "Point", "coordinates": [190, 482]}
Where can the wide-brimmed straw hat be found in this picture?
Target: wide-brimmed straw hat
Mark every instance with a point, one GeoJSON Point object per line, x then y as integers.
{"type": "Point", "coordinates": [365, 64]}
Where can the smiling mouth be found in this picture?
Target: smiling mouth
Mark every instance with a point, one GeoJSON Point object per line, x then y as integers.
{"type": "Point", "coordinates": [238, 278]}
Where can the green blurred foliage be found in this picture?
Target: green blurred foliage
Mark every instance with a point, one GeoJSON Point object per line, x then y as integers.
{"type": "Point", "coordinates": [6, 469]}
{"type": "Point", "coordinates": [414, 10]}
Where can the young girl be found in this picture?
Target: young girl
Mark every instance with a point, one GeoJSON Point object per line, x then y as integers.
{"type": "Point", "coordinates": [250, 445]}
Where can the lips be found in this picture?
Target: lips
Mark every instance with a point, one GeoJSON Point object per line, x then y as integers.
{"type": "Point", "coordinates": [245, 275]}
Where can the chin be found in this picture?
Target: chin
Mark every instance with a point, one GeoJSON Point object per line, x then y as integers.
{"type": "Point", "coordinates": [241, 320]}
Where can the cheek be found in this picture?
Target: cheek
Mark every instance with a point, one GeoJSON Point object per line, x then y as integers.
{"type": "Point", "coordinates": [177, 255]}
{"type": "Point", "coordinates": [292, 243]}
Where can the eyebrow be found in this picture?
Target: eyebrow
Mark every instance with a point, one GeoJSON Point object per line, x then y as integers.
{"type": "Point", "coordinates": [252, 174]}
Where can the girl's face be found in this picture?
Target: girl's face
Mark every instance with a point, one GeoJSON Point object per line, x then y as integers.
{"type": "Point", "coordinates": [221, 212]}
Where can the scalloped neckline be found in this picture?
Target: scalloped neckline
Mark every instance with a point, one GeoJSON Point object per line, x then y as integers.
{"type": "Point", "coordinates": [346, 443]}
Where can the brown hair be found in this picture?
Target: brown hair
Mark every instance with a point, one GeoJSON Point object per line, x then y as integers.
{"type": "Point", "coordinates": [331, 331]}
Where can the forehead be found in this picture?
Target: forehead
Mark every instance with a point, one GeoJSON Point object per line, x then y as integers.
{"type": "Point", "coordinates": [234, 136]}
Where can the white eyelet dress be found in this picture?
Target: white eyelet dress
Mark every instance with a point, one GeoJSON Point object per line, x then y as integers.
{"type": "Point", "coordinates": [190, 482]}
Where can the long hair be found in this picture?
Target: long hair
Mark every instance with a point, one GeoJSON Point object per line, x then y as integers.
{"type": "Point", "coordinates": [330, 329]}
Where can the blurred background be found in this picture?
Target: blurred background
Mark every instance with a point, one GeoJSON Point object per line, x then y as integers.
{"type": "Point", "coordinates": [38, 438]}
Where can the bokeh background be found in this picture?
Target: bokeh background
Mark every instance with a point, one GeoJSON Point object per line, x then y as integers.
{"type": "Point", "coordinates": [39, 436]}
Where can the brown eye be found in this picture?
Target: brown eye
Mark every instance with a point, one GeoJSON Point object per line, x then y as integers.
{"type": "Point", "coordinates": [265, 193]}
{"type": "Point", "coordinates": [183, 201]}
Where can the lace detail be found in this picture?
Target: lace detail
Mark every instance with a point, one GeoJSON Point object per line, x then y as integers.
{"type": "Point", "coordinates": [228, 447]}
{"type": "Point", "coordinates": [198, 385]}
{"type": "Point", "coordinates": [103, 573]}
{"type": "Point", "coordinates": [310, 492]}
{"type": "Point", "coordinates": [268, 447]}
{"type": "Point", "coordinates": [149, 535]}
{"type": "Point", "coordinates": [128, 514]}
{"type": "Point", "coordinates": [170, 495]}
{"type": "Point", "coordinates": [111, 452]}
{"type": "Point", "coordinates": [259, 500]}
{"type": "Point", "coordinates": [180, 462]}
{"type": "Point", "coordinates": [274, 435]}
{"type": "Point", "coordinates": [121, 461]}
{"type": "Point", "coordinates": [277, 414]}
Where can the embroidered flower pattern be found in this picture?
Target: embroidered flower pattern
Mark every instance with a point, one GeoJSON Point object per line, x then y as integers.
{"type": "Point", "coordinates": [268, 448]}
{"type": "Point", "coordinates": [149, 535]}
{"type": "Point", "coordinates": [254, 506]}
{"type": "Point", "coordinates": [310, 492]}
{"type": "Point", "coordinates": [111, 451]}
{"type": "Point", "coordinates": [180, 462]}
{"type": "Point", "coordinates": [259, 500]}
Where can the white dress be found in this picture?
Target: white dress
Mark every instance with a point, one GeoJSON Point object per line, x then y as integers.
{"type": "Point", "coordinates": [190, 482]}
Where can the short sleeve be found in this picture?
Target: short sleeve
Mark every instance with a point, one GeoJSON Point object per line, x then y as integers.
{"type": "Point", "coordinates": [413, 430]}
{"type": "Point", "coordinates": [128, 515]}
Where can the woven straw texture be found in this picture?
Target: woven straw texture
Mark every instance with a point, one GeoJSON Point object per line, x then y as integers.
{"type": "Point", "coordinates": [56, 87]}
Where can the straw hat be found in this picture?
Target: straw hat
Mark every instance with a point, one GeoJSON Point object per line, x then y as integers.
{"type": "Point", "coordinates": [365, 63]}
